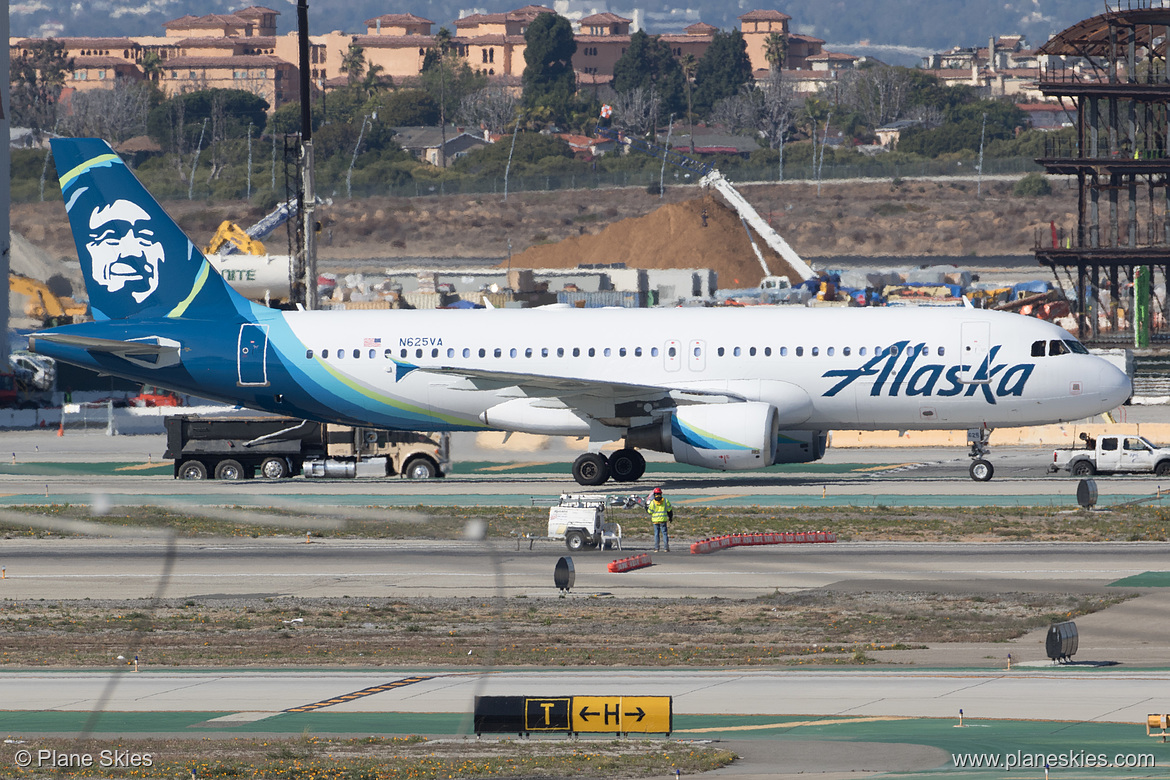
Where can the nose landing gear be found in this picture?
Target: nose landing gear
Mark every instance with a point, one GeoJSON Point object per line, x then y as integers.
{"type": "Point", "coordinates": [981, 469]}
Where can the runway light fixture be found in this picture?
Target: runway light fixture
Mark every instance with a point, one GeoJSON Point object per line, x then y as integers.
{"type": "Point", "coordinates": [1087, 493]}
{"type": "Point", "coordinates": [564, 576]}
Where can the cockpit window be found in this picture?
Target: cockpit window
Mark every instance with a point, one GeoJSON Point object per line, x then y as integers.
{"type": "Point", "coordinates": [1057, 347]}
{"type": "Point", "coordinates": [1037, 349]}
{"type": "Point", "coordinates": [1076, 347]}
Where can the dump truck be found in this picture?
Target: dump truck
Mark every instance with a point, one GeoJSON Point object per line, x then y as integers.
{"type": "Point", "coordinates": [240, 447]}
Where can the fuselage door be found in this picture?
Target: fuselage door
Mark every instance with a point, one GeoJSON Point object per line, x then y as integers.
{"type": "Point", "coordinates": [976, 343]}
{"type": "Point", "coordinates": [252, 354]}
{"type": "Point", "coordinates": [697, 355]}
{"type": "Point", "coordinates": [672, 355]}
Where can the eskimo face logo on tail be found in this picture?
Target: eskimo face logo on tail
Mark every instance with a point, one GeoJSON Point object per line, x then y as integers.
{"type": "Point", "coordinates": [124, 253]}
{"type": "Point", "coordinates": [895, 373]}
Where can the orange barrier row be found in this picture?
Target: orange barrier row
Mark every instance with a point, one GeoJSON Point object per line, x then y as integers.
{"type": "Point", "coordinates": [628, 564]}
{"type": "Point", "coordinates": [768, 537]}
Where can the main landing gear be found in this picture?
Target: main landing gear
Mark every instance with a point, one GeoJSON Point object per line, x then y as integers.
{"type": "Point", "coordinates": [981, 468]}
{"type": "Point", "coordinates": [593, 468]}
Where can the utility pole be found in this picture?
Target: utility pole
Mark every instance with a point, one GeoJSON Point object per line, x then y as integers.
{"type": "Point", "coordinates": [5, 189]}
{"type": "Point", "coordinates": [308, 195]}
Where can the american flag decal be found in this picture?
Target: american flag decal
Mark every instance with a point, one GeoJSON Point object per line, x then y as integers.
{"type": "Point", "coordinates": [372, 342]}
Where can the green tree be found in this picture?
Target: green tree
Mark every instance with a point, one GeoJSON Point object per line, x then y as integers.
{"type": "Point", "coordinates": [776, 51]}
{"type": "Point", "coordinates": [184, 114]}
{"type": "Point", "coordinates": [723, 70]}
{"type": "Point", "coordinates": [407, 108]}
{"type": "Point", "coordinates": [649, 65]}
{"type": "Point", "coordinates": [549, 80]}
{"type": "Point", "coordinates": [37, 78]}
{"type": "Point", "coordinates": [532, 150]}
{"type": "Point", "coordinates": [353, 64]}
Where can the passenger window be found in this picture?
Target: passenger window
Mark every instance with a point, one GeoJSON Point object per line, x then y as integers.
{"type": "Point", "coordinates": [653, 351]}
{"type": "Point", "coordinates": [387, 354]}
{"type": "Point", "coordinates": [1037, 349]}
{"type": "Point", "coordinates": [576, 352]}
{"type": "Point", "coordinates": [357, 353]}
{"type": "Point", "coordinates": [528, 352]}
{"type": "Point", "coordinates": [752, 351]}
{"type": "Point", "coordinates": [829, 352]}
{"type": "Point", "coordinates": [592, 352]}
{"type": "Point", "coordinates": [736, 352]}
{"type": "Point", "coordinates": [544, 351]}
{"type": "Point", "coordinates": [673, 352]}
{"type": "Point", "coordinates": [698, 351]}
{"type": "Point", "coordinates": [434, 352]}
{"type": "Point", "coordinates": [800, 351]}
{"type": "Point", "coordinates": [767, 352]}
{"type": "Point", "coordinates": [451, 353]}
{"type": "Point", "coordinates": [512, 352]}
{"type": "Point", "coordinates": [482, 352]}
{"type": "Point", "coordinates": [324, 354]}
{"type": "Point", "coordinates": [341, 353]}
{"type": "Point", "coordinates": [607, 352]}
{"type": "Point", "coordinates": [719, 352]}
{"type": "Point", "coordinates": [466, 352]}
{"type": "Point", "coordinates": [373, 354]}
{"type": "Point", "coordinates": [783, 351]}
{"type": "Point", "coordinates": [893, 351]}
{"type": "Point", "coordinates": [1133, 444]}
{"type": "Point", "coordinates": [637, 352]}
{"type": "Point", "coordinates": [560, 351]}
{"type": "Point", "coordinates": [308, 354]}
{"type": "Point", "coordinates": [942, 351]}
{"type": "Point", "coordinates": [1057, 347]}
{"type": "Point", "coordinates": [845, 351]}
{"type": "Point", "coordinates": [816, 351]}
{"type": "Point", "coordinates": [622, 352]}
{"type": "Point", "coordinates": [861, 352]}
{"type": "Point", "coordinates": [402, 354]}
{"type": "Point", "coordinates": [417, 353]}
{"type": "Point", "coordinates": [498, 352]}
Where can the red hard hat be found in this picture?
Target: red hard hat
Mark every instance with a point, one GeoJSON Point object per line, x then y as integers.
{"type": "Point", "coordinates": [657, 491]}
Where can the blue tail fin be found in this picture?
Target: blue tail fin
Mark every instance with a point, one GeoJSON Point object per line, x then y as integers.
{"type": "Point", "coordinates": [135, 259]}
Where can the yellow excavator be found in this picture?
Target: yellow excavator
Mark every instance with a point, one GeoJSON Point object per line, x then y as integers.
{"type": "Point", "coordinates": [231, 233]}
{"type": "Point", "coordinates": [43, 305]}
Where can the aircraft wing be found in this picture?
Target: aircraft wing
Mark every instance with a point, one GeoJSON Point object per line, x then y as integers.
{"type": "Point", "coordinates": [583, 392]}
{"type": "Point", "coordinates": [109, 346]}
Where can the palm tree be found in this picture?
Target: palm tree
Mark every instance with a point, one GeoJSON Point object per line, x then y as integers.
{"type": "Point", "coordinates": [353, 64]}
{"type": "Point", "coordinates": [690, 66]}
{"type": "Point", "coordinates": [373, 82]}
{"type": "Point", "coordinates": [776, 51]}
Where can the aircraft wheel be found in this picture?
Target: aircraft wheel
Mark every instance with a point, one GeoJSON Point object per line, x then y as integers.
{"type": "Point", "coordinates": [627, 465]}
{"type": "Point", "coordinates": [229, 469]}
{"type": "Point", "coordinates": [982, 470]}
{"type": "Point", "coordinates": [192, 469]}
{"type": "Point", "coordinates": [591, 469]}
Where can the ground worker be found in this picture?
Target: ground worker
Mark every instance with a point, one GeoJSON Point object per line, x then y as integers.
{"type": "Point", "coordinates": [661, 513]}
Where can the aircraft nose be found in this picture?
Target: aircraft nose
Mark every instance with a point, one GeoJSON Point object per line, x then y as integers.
{"type": "Point", "coordinates": [1116, 386]}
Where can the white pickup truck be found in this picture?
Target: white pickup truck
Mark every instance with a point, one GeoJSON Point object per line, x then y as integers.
{"type": "Point", "coordinates": [1112, 454]}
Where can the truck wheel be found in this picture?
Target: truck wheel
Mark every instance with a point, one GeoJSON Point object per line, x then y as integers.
{"type": "Point", "coordinates": [1163, 468]}
{"type": "Point", "coordinates": [192, 469]}
{"type": "Point", "coordinates": [591, 469]}
{"type": "Point", "coordinates": [627, 465]}
{"type": "Point", "coordinates": [1085, 468]}
{"type": "Point", "coordinates": [575, 540]}
{"type": "Point", "coordinates": [229, 469]}
{"type": "Point", "coordinates": [274, 468]}
{"type": "Point", "coordinates": [419, 468]}
{"type": "Point", "coordinates": [982, 470]}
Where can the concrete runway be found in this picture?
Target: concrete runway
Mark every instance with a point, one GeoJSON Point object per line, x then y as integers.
{"type": "Point", "coordinates": [745, 706]}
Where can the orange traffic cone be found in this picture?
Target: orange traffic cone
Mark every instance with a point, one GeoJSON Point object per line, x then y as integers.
{"type": "Point", "coordinates": [61, 427]}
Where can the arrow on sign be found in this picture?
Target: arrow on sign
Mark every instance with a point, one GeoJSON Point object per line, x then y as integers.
{"type": "Point", "coordinates": [640, 713]}
{"type": "Point", "coordinates": [586, 714]}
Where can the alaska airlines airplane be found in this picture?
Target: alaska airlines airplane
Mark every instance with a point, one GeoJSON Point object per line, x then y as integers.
{"type": "Point", "coordinates": [722, 388]}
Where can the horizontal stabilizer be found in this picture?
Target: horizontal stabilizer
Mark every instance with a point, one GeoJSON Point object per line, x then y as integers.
{"type": "Point", "coordinates": [110, 346]}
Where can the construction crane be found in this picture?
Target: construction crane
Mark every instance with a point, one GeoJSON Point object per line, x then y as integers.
{"type": "Point", "coordinates": [711, 177]}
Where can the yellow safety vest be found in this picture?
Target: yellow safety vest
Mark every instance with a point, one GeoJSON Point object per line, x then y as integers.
{"type": "Point", "coordinates": [658, 510]}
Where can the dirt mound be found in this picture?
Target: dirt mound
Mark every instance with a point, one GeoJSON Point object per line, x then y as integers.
{"type": "Point", "coordinates": [672, 236]}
